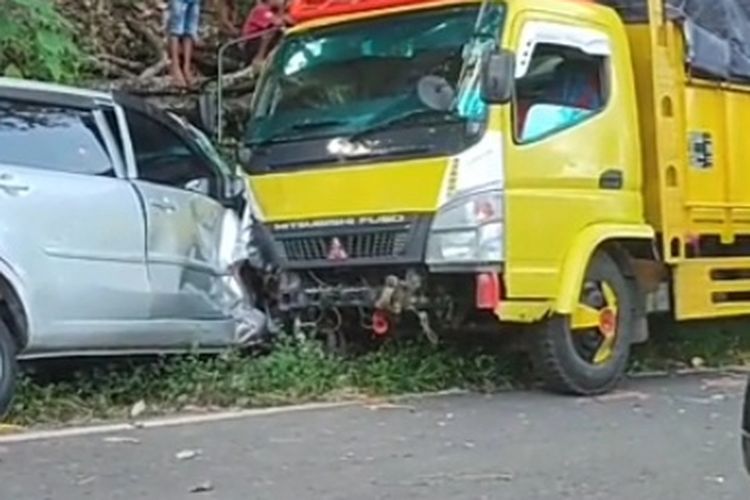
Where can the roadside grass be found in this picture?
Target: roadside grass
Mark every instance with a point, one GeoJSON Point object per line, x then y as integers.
{"type": "Point", "coordinates": [695, 344]}
{"type": "Point", "coordinates": [296, 372]}
{"type": "Point", "coordinates": [292, 373]}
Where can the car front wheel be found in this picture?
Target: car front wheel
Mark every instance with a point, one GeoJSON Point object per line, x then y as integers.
{"type": "Point", "coordinates": [8, 369]}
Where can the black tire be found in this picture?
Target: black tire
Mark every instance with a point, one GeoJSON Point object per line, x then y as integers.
{"type": "Point", "coordinates": [8, 370]}
{"type": "Point", "coordinates": [556, 350]}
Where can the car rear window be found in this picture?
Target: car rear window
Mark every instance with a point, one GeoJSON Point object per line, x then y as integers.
{"type": "Point", "coordinates": [52, 138]}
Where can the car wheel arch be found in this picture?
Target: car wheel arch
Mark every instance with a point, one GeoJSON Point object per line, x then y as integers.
{"type": "Point", "coordinates": [13, 313]}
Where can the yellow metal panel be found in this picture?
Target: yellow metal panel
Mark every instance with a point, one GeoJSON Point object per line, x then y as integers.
{"type": "Point", "coordinates": [398, 187]}
{"type": "Point", "coordinates": [522, 311]}
{"type": "Point", "coordinates": [701, 291]}
{"type": "Point", "coordinates": [705, 112]}
{"type": "Point", "coordinates": [553, 192]}
{"type": "Point", "coordinates": [577, 258]}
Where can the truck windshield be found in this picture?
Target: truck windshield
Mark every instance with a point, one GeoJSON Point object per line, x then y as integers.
{"type": "Point", "coordinates": [350, 79]}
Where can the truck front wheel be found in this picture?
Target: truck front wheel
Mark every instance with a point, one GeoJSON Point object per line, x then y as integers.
{"type": "Point", "coordinates": [586, 353]}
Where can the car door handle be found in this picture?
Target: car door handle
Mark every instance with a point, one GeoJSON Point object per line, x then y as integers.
{"type": "Point", "coordinates": [8, 186]}
{"type": "Point", "coordinates": [165, 205]}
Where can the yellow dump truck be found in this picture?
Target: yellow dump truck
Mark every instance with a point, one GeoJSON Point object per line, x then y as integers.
{"type": "Point", "coordinates": [555, 166]}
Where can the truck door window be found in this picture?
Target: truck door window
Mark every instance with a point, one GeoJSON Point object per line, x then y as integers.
{"type": "Point", "coordinates": [52, 138]}
{"type": "Point", "coordinates": [563, 87]}
{"type": "Point", "coordinates": [163, 157]}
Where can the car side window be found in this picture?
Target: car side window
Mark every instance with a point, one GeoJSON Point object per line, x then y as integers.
{"type": "Point", "coordinates": [163, 157]}
{"type": "Point", "coordinates": [53, 138]}
{"type": "Point", "coordinates": [563, 87]}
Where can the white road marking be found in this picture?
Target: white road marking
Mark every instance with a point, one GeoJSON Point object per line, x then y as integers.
{"type": "Point", "coordinates": [155, 423]}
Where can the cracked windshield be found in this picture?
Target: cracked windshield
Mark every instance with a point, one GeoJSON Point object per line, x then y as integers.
{"type": "Point", "coordinates": [385, 75]}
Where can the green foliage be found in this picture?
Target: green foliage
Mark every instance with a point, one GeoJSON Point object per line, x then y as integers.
{"type": "Point", "coordinates": [36, 42]}
{"type": "Point", "coordinates": [292, 373]}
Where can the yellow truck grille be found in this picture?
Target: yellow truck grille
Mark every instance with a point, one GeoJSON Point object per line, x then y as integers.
{"type": "Point", "coordinates": [382, 244]}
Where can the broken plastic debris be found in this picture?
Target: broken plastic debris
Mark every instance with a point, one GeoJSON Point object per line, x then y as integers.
{"type": "Point", "coordinates": [187, 454]}
{"type": "Point", "coordinates": [138, 409]}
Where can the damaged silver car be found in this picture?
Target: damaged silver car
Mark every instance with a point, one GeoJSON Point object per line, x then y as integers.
{"type": "Point", "coordinates": [119, 231]}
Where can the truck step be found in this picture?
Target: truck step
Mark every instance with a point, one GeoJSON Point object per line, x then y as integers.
{"type": "Point", "coordinates": [710, 288]}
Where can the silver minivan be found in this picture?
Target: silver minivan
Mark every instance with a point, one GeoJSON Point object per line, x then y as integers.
{"type": "Point", "coordinates": [118, 229]}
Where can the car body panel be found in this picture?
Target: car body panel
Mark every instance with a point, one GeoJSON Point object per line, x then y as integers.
{"type": "Point", "coordinates": [62, 254]}
{"type": "Point", "coordinates": [184, 231]}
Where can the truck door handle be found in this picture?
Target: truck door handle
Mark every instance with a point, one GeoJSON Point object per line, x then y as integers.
{"type": "Point", "coordinates": [165, 205]}
{"type": "Point", "coordinates": [611, 179]}
{"type": "Point", "coordinates": [11, 188]}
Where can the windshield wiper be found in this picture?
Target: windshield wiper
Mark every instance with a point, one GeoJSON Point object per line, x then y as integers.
{"type": "Point", "coordinates": [309, 124]}
{"type": "Point", "coordinates": [446, 116]}
{"type": "Point", "coordinates": [284, 135]}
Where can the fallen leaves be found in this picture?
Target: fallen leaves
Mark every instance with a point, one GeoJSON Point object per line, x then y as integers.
{"type": "Point", "coordinates": [6, 429]}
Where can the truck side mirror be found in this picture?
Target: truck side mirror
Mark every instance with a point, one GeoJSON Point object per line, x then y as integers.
{"type": "Point", "coordinates": [208, 114]}
{"type": "Point", "coordinates": [497, 80]}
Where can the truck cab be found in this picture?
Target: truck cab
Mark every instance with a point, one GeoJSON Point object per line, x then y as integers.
{"type": "Point", "coordinates": [451, 163]}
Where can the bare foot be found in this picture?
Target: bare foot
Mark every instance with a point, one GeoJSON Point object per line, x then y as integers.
{"type": "Point", "coordinates": [189, 77]}
{"type": "Point", "coordinates": [177, 77]}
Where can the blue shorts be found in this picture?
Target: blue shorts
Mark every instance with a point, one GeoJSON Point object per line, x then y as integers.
{"type": "Point", "coordinates": [184, 18]}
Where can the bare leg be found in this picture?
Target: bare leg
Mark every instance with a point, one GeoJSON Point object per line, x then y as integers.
{"type": "Point", "coordinates": [174, 53]}
{"type": "Point", "coordinates": [265, 41]}
{"type": "Point", "coordinates": [187, 45]}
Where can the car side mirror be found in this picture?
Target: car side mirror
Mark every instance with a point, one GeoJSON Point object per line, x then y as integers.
{"type": "Point", "coordinates": [208, 113]}
{"type": "Point", "coordinates": [243, 154]}
{"type": "Point", "coordinates": [234, 193]}
{"type": "Point", "coordinates": [497, 82]}
{"type": "Point", "coordinates": [235, 187]}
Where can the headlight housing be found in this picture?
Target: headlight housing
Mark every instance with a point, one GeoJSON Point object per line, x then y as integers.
{"type": "Point", "coordinates": [230, 237]}
{"type": "Point", "coordinates": [468, 230]}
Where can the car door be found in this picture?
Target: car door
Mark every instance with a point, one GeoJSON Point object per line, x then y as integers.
{"type": "Point", "coordinates": [71, 225]}
{"type": "Point", "coordinates": [180, 191]}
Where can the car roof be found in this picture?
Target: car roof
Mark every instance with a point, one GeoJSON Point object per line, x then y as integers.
{"type": "Point", "coordinates": [52, 93]}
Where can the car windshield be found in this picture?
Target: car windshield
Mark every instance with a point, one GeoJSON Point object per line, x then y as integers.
{"type": "Point", "coordinates": [349, 78]}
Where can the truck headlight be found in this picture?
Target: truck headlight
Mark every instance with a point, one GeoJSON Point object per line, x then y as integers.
{"type": "Point", "coordinates": [468, 230]}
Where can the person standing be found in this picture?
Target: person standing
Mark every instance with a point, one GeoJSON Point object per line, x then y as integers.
{"type": "Point", "coordinates": [262, 29]}
{"type": "Point", "coordinates": [183, 24]}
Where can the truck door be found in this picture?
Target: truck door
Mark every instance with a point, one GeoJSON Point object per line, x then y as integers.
{"type": "Point", "coordinates": [184, 220]}
{"type": "Point", "coordinates": [71, 226]}
{"type": "Point", "coordinates": [571, 149]}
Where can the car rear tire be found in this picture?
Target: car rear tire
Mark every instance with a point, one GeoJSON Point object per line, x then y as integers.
{"type": "Point", "coordinates": [8, 369]}
{"type": "Point", "coordinates": [586, 353]}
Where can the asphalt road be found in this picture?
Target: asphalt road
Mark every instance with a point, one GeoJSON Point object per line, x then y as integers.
{"type": "Point", "coordinates": [658, 439]}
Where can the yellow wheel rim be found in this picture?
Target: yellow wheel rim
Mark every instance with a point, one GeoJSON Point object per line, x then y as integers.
{"type": "Point", "coordinates": [603, 320]}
